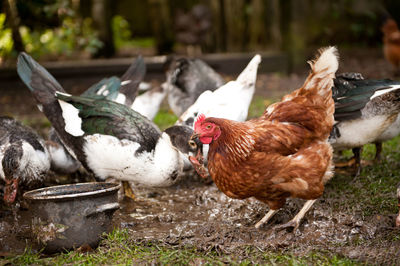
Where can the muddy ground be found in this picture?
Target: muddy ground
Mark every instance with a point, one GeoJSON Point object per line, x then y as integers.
{"type": "Point", "coordinates": [194, 213]}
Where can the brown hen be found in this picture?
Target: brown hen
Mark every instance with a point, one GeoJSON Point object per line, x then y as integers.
{"type": "Point", "coordinates": [282, 154]}
{"type": "Point", "coordinates": [391, 43]}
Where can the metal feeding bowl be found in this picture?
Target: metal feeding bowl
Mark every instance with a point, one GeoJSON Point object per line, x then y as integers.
{"type": "Point", "coordinates": [69, 216]}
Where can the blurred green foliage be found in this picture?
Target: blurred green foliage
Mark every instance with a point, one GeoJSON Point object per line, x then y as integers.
{"type": "Point", "coordinates": [123, 36]}
{"type": "Point", "coordinates": [55, 30]}
{"type": "Point", "coordinates": [6, 42]}
{"type": "Point", "coordinates": [121, 31]}
{"type": "Point", "coordinates": [72, 36]}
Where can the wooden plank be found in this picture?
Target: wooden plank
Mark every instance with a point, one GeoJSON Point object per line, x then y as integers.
{"type": "Point", "coordinates": [231, 64]}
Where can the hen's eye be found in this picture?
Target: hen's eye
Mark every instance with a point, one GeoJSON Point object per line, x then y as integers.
{"type": "Point", "coordinates": [192, 144]}
{"type": "Point", "coordinates": [208, 126]}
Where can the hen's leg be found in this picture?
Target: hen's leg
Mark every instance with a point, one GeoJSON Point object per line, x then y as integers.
{"type": "Point", "coordinates": [295, 222]}
{"type": "Point", "coordinates": [266, 218]}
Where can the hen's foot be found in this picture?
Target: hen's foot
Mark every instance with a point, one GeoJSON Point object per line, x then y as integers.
{"type": "Point", "coordinates": [291, 224]}
{"type": "Point", "coordinates": [295, 222]}
{"type": "Point", "coordinates": [266, 218]}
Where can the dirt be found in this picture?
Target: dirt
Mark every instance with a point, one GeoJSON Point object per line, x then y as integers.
{"type": "Point", "coordinates": [192, 213]}
{"type": "Point", "coordinates": [196, 213]}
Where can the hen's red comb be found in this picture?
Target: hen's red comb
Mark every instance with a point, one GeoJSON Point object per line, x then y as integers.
{"type": "Point", "coordinates": [200, 118]}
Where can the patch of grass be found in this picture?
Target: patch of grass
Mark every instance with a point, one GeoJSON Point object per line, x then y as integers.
{"type": "Point", "coordinates": [165, 119]}
{"type": "Point", "coordinates": [375, 189]}
{"type": "Point", "coordinates": [118, 248]}
{"type": "Point", "coordinates": [258, 106]}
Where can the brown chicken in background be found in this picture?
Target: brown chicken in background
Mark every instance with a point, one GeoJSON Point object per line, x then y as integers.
{"type": "Point", "coordinates": [391, 43]}
{"type": "Point", "coordinates": [284, 153]}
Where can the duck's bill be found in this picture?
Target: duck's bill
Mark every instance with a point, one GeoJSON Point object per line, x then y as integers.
{"type": "Point", "coordinates": [198, 164]}
{"type": "Point", "coordinates": [10, 191]}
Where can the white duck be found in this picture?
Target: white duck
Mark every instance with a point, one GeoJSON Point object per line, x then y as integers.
{"type": "Point", "coordinates": [230, 101]}
{"type": "Point", "coordinates": [186, 80]}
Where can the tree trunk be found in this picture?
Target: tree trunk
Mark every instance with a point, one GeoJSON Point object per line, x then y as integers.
{"type": "Point", "coordinates": [256, 27]}
{"type": "Point", "coordinates": [276, 35]}
{"type": "Point", "coordinates": [235, 21]}
{"type": "Point", "coordinates": [162, 25]}
{"type": "Point", "coordinates": [102, 17]}
{"type": "Point", "coordinates": [14, 21]}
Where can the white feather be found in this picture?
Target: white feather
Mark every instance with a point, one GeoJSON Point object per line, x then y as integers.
{"type": "Point", "coordinates": [327, 61]}
{"type": "Point", "coordinates": [101, 90]}
{"type": "Point", "coordinates": [73, 123]}
{"type": "Point", "coordinates": [144, 86]}
{"type": "Point", "coordinates": [366, 130]}
{"type": "Point", "coordinates": [125, 82]}
{"type": "Point", "coordinates": [381, 92]}
{"type": "Point", "coordinates": [230, 101]}
{"type": "Point", "coordinates": [149, 103]}
{"type": "Point", "coordinates": [61, 160]}
{"type": "Point", "coordinates": [108, 156]}
{"type": "Point", "coordinates": [121, 98]}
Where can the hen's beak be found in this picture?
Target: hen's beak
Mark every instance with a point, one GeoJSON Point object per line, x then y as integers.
{"type": "Point", "coordinates": [10, 190]}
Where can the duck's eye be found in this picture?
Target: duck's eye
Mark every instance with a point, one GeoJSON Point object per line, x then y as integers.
{"type": "Point", "coordinates": [192, 144]}
{"type": "Point", "coordinates": [208, 127]}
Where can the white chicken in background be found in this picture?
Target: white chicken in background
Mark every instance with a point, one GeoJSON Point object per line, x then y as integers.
{"type": "Point", "coordinates": [148, 103]}
{"type": "Point", "coordinates": [230, 101]}
{"type": "Point", "coordinates": [187, 79]}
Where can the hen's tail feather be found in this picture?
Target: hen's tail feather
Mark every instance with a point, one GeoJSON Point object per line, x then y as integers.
{"type": "Point", "coordinates": [323, 70]}
{"type": "Point", "coordinates": [249, 74]}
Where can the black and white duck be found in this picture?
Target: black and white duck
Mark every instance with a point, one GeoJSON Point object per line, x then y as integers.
{"type": "Point", "coordinates": [366, 111]}
{"type": "Point", "coordinates": [123, 90]}
{"type": "Point", "coordinates": [108, 138]}
{"type": "Point", "coordinates": [186, 80]}
{"type": "Point", "coordinates": [24, 158]}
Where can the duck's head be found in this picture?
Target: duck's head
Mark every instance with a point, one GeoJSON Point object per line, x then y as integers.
{"type": "Point", "coordinates": [181, 139]}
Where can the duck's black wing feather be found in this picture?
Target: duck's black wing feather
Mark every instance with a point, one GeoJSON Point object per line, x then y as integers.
{"type": "Point", "coordinates": [351, 93]}
{"type": "Point", "coordinates": [105, 117]}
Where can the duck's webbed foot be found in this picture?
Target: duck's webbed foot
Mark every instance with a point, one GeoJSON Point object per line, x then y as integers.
{"type": "Point", "coordinates": [128, 192]}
